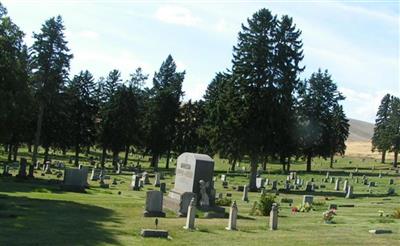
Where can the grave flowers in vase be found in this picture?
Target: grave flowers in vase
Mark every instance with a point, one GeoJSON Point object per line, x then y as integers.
{"type": "Point", "coordinates": [329, 215]}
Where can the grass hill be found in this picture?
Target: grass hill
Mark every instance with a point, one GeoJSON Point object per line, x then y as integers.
{"type": "Point", "coordinates": [360, 131]}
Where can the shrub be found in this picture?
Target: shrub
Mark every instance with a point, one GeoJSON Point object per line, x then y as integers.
{"type": "Point", "coordinates": [225, 201]}
{"type": "Point", "coordinates": [264, 206]}
{"type": "Point", "coordinates": [286, 200]}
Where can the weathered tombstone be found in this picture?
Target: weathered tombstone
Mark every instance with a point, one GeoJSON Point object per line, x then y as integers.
{"type": "Point", "coordinates": [308, 199]}
{"type": "Point", "coordinates": [154, 204]}
{"type": "Point", "coordinates": [327, 175]}
{"type": "Point", "coordinates": [391, 181]}
{"type": "Point", "coordinates": [47, 170]}
{"type": "Point", "coordinates": [337, 184]}
{"type": "Point", "coordinates": [223, 177]}
{"type": "Point", "coordinates": [163, 187]}
{"type": "Point", "coordinates": [157, 180]}
{"type": "Point", "coordinates": [308, 186]}
{"type": "Point", "coordinates": [191, 215]}
{"type": "Point", "coordinates": [380, 175]}
{"type": "Point", "coordinates": [145, 178]}
{"type": "Point", "coordinates": [22, 168]}
{"type": "Point", "coordinates": [287, 185]}
{"type": "Point", "coordinates": [345, 185]}
{"type": "Point", "coordinates": [274, 185]}
{"type": "Point", "coordinates": [118, 169]}
{"type": "Point", "coordinates": [245, 194]}
{"type": "Point", "coordinates": [349, 193]}
{"type": "Point", "coordinates": [371, 184]}
{"type": "Point", "coordinates": [190, 169]}
{"type": "Point", "coordinates": [273, 217]}
{"type": "Point", "coordinates": [260, 183]}
{"type": "Point", "coordinates": [331, 180]}
{"type": "Point", "coordinates": [232, 217]}
{"type": "Point", "coordinates": [75, 179]}
{"type": "Point", "coordinates": [95, 175]}
{"type": "Point", "coordinates": [135, 182]}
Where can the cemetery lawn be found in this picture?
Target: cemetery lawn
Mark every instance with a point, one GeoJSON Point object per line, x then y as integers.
{"type": "Point", "coordinates": [38, 212]}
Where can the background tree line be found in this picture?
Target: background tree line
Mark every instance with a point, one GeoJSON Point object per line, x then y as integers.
{"type": "Point", "coordinates": [258, 109]}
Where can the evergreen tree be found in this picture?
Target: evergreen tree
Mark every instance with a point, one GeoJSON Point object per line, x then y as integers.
{"type": "Point", "coordinates": [50, 60]}
{"type": "Point", "coordinates": [288, 56]}
{"type": "Point", "coordinates": [107, 96]}
{"type": "Point", "coordinates": [16, 105]}
{"type": "Point", "coordinates": [318, 99]}
{"type": "Point", "coordinates": [222, 125]}
{"type": "Point", "coordinates": [338, 132]}
{"type": "Point", "coordinates": [82, 110]}
{"type": "Point", "coordinates": [163, 110]}
{"type": "Point", "coordinates": [380, 140]}
{"type": "Point", "coordinates": [253, 72]}
{"type": "Point", "coordinates": [393, 128]}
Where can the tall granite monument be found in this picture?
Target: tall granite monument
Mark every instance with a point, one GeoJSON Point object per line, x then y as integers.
{"type": "Point", "coordinates": [193, 179]}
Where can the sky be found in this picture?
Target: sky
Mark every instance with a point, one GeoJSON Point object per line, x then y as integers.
{"type": "Point", "coordinates": [357, 41]}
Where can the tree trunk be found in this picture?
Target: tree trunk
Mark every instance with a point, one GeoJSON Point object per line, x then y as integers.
{"type": "Point", "coordinates": [37, 133]}
{"type": "Point", "coordinates": [87, 151]}
{"type": "Point", "coordinates": [29, 148]}
{"type": "Point", "coordinates": [309, 162]}
{"type": "Point", "coordinates": [396, 154]}
{"type": "Point", "coordinates": [103, 157]}
{"type": "Point", "coordinates": [15, 152]}
{"type": "Point", "coordinates": [283, 162]}
{"type": "Point", "coordinates": [331, 163]}
{"type": "Point", "coordinates": [168, 157]}
{"type": "Point", "coordinates": [264, 164]}
{"type": "Point", "coordinates": [154, 161]}
{"type": "Point", "coordinates": [253, 173]}
{"type": "Point", "coordinates": [46, 154]}
{"type": "Point", "coordinates": [64, 151]}
{"type": "Point", "coordinates": [233, 165]}
{"type": "Point", "coordinates": [126, 155]}
{"type": "Point", "coordinates": [76, 155]}
{"type": "Point", "coordinates": [115, 159]}
{"type": "Point", "coordinates": [9, 153]}
{"type": "Point", "coordinates": [288, 165]}
{"type": "Point", "coordinates": [383, 156]}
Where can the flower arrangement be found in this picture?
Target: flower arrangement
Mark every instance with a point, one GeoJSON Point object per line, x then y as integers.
{"type": "Point", "coordinates": [329, 215]}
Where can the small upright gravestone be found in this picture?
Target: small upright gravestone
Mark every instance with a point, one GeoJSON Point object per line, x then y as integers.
{"type": "Point", "coordinates": [154, 204]}
{"type": "Point", "coordinates": [135, 182]}
{"type": "Point", "coordinates": [47, 169]}
{"type": "Point", "coordinates": [331, 180]}
{"type": "Point", "coordinates": [157, 180]}
{"type": "Point", "coordinates": [260, 182]}
{"type": "Point", "coordinates": [308, 199]}
{"type": "Point", "coordinates": [191, 215]}
{"type": "Point", "coordinates": [273, 217]}
{"type": "Point", "coordinates": [308, 186]}
{"type": "Point", "coordinates": [391, 181]}
{"type": "Point", "coordinates": [223, 177]}
{"type": "Point", "coordinates": [337, 184]}
{"type": "Point", "coordinates": [232, 217]}
{"type": "Point", "coordinates": [245, 194]}
{"type": "Point", "coordinates": [95, 174]}
{"type": "Point", "coordinates": [349, 193]}
{"type": "Point", "coordinates": [345, 185]}
{"type": "Point", "coordinates": [163, 187]}
{"type": "Point", "coordinates": [274, 185]}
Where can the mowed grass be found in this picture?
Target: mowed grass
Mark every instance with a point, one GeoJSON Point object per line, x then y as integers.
{"type": "Point", "coordinates": [38, 212]}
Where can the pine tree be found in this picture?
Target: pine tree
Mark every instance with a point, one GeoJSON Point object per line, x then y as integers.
{"type": "Point", "coordinates": [338, 132]}
{"type": "Point", "coordinates": [16, 105]}
{"type": "Point", "coordinates": [288, 56]}
{"type": "Point", "coordinates": [82, 110]}
{"type": "Point", "coordinates": [318, 99]}
{"type": "Point", "coordinates": [393, 128]}
{"type": "Point", "coordinates": [380, 140]}
{"type": "Point", "coordinates": [50, 60]}
{"type": "Point", "coordinates": [163, 109]}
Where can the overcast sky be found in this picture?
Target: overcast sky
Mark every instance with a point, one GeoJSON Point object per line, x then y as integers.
{"type": "Point", "coordinates": [357, 41]}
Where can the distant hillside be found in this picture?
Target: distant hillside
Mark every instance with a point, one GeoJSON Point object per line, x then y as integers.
{"type": "Point", "coordinates": [360, 131]}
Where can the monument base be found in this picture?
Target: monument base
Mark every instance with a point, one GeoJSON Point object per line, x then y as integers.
{"type": "Point", "coordinates": [74, 188]}
{"type": "Point", "coordinates": [153, 214]}
{"type": "Point", "coordinates": [178, 202]}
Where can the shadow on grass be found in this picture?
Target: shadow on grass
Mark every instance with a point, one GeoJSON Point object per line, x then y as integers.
{"type": "Point", "coordinates": [30, 221]}
{"type": "Point", "coordinates": [13, 185]}
{"type": "Point", "coordinates": [331, 194]}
